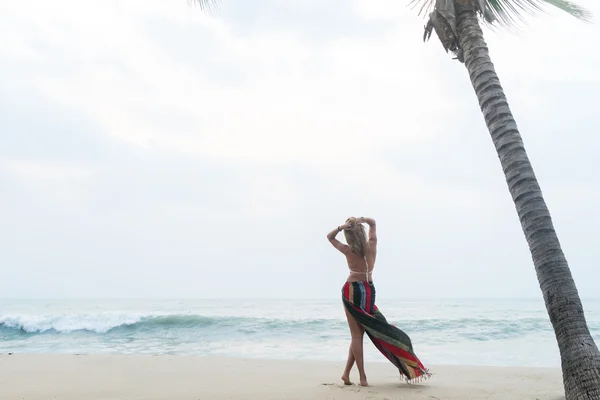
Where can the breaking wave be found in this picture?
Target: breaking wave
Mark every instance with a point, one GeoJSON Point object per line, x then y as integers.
{"type": "Point", "coordinates": [115, 323]}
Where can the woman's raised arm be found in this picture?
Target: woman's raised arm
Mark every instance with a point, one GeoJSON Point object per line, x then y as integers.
{"type": "Point", "coordinates": [336, 243]}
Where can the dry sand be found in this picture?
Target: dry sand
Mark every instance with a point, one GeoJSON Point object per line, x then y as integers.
{"type": "Point", "coordinates": [116, 377]}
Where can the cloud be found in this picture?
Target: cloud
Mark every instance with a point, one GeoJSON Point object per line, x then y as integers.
{"type": "Point", "coordinates": [152, 101]}
{"type": "Point", "coordinates": [153, 150]}
{"type": "Point", "coordinates": [33, 170]}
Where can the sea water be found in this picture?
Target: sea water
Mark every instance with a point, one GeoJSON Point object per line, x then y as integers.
{"type": "Point", "coordinates": [454, 332]}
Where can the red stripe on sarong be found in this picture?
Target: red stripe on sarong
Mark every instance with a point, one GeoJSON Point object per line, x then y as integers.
{"type": "Point", "coordinates": [401, 352]}
{"type": "Point", "coordinates": [404, 354]}
{"type": "Point", "coordinates": [379, 344]}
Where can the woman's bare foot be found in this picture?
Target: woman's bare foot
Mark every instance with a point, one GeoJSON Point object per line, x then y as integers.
{"type": "Point", "coordinates": [346, 380]}
{"type": "Point", "coordinates": [363, 381]}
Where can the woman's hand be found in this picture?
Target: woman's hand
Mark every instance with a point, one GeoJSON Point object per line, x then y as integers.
{"type": "Point", "coordinates": [343, 227]}
{"type": "Point", "coordinates": [366, 220]}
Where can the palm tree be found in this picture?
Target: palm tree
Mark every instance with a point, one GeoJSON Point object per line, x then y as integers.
{"type": "Point", "coordinates": [456, 22]}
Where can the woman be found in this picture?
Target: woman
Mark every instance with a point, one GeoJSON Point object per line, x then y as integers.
{"type": "Point", "coordinates": [358, 295]}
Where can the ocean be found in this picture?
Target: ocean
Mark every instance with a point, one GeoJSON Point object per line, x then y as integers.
{"type": "Point", "coordinates": [450, 332]}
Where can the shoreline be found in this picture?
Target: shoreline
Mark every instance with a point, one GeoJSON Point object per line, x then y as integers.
{"type": "Point", "coordinates": [181, 377]}
{"type": "Point", "coordinates": [268, 360]}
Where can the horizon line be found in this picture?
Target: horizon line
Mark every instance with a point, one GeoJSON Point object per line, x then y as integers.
{"type": "Point", "coordinates": [583, 298]}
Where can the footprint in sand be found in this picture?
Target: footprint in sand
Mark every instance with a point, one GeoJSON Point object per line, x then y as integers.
{"type": "Point", "coordinates": [353, 387]}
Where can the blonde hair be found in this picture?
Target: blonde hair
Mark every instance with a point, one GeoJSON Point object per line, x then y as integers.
{"type": "Point", "coordinates": [356, 236]}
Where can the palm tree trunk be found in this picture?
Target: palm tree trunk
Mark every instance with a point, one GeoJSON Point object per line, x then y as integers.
{"type": "Point", "coordinates": [579, 354]}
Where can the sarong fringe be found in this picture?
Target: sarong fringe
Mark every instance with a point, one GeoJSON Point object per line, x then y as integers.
{"type": "Point", "coordinates": [419, 379]}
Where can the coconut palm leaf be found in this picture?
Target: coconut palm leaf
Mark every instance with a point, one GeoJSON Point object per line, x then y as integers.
{"type": "Point", "coordinates": [206, 4]}
{"type": "Point", "coordinates": [509, 13]}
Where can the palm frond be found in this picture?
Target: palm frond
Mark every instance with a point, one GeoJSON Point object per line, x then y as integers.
{"type": "Point", "coordinates": [206, 5]}
{"type": "Point", "coordinates": [426, 6]}
{"type": "Point", "coordinates": [509, 13]}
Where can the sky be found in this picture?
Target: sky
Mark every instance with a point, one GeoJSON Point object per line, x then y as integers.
{"type": "Point", "coordinates": [149, 149]}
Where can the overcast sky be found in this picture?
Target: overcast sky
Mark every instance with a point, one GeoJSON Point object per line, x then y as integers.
{"type": "Point", "coordinates": [150, 150]}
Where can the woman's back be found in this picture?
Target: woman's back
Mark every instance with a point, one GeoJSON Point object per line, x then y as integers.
{"type": "Point", "coordinates": [360, 267]}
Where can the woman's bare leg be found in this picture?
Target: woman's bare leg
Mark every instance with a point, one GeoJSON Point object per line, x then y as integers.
{"type": "Point", "coordinates": [349, 365]}
{"type": "Point", "coordinates": [357, 332]}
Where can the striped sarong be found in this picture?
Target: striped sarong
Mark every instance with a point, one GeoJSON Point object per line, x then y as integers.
{"type": "Point", "coordinates": [395, 345]}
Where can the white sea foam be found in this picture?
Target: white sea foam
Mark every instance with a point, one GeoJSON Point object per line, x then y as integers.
{"type": "Point", "coordinates": [98, 323]}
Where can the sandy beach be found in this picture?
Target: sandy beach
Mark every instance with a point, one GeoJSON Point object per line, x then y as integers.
{"type": "Point", "coordinates": [120, 377]}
